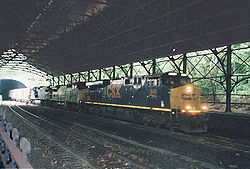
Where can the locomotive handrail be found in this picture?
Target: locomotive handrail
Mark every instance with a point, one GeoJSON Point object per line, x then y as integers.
{"type": "Point", "coordinates": [11, 155]}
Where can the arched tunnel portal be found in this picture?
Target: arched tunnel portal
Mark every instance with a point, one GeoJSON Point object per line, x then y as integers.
{"type": "Point", "coordinates": [8, 84]}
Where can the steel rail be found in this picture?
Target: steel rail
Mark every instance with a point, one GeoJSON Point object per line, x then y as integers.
{"type": "Point", "coordinates": [57, 142]}
{"type": "Point", "coordinates": [181, 136]}
{"type": "Point", "coordinates": [90, 141]}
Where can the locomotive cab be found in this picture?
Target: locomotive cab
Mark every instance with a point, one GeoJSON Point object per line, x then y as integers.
{"type": "Point", "coordinates": [185, 102]}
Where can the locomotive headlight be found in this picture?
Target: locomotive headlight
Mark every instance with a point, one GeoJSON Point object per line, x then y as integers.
{"type": "Point", "coordinates": [204, 108]}
{"type": "Point", "coordinates": [188, 107]}
{"type": "Point", "coordinates": [189, 89]}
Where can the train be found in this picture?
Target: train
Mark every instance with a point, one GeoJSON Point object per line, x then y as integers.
{"type": "Point", "coordinates": [21, 95]}
{"type": "Point", "coordinates": [167, 100]}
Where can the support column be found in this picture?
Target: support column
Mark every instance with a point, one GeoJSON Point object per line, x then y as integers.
{"type": "Point", "coordinates": [88, 75]}
{"type": "Point", "coordinates": [185, 63]}
{"type": "Point", "coordinates": [113, 72]}
{"type": "Point", "coordinates": [53, 81]}
{"type": "Point", "coordinates": [58, 80]}
{"type": "Point", "coordinates": [131, 70]}
{"type": "Point", "coordinates": [71, 79]}
{"type": "Point", "coordinates": [79, 77]}
{"type": "Point", "coordinates": [228, 79]}
{"type": "Point", "coordinates": [154, 66]}
{"type": "Point", "coordinates": [100, 74]}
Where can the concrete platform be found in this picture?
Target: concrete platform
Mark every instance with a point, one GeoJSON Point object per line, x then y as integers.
{"type": "Point", "coordinates": [237, 124]}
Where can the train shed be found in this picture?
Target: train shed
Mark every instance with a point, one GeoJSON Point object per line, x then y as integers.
{"type": "Point", "coordinates": [100, 42]}
{"type": "Point", "coordinates": [71, 38]}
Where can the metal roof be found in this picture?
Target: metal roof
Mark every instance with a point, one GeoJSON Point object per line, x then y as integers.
{"type": "Point", "coordinates": [61, 37]}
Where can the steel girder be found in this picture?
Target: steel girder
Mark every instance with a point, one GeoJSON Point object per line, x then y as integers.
{"type": "Point", "coordinates": [72, 36]}
{"type": "Point", "coordinates": [15, 18]}
{"type": "Point", "coordinates": [55, 19]}
{"type": "Point", "coordinates": [12, 60]}
{"type": "Point", "coordinates": [216, 63]}
{"type": "Point", "coordinates": [129, 31]}
{"type": "Point", "coordinates": [46, 21]}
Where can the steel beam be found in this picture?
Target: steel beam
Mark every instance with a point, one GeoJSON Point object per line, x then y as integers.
{"type": "Point", "coordinates": [79, 77]}
{"type": "Point", "coordinates": [124, 71]}
{"type": "Point", "coordinates": [113, 72]}
{"type": "Point", "coordinates": [71, 78]}
{"type": "Point", "coordinates": [185, 63]}
{"type": "Point", "coordinates": [131, 70]}
{"type": "Point", "coordinates": [89, 76]}
{"type": "Point", "coordinates": [107, 73]}
{"type": "Point", "coordinates": [100, 74]}
{"type": "Point", "coordinates": [144, 66]}
{"type": "Point", "coordinates": [228, 79]}
{"type": "Point", "coordinates": [58, 80]}
{"type": "Point", "coordinates": [154, 66]}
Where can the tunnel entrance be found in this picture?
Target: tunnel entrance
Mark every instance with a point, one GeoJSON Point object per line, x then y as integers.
{"type": "Point", "coordinates": [8, 84]}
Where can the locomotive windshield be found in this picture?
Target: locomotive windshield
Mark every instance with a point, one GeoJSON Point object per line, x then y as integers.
{"type": "Point", "coordinates": [174, 81]}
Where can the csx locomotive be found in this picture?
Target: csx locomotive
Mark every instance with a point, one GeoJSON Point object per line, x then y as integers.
{"type": "Point", "coordinates": [167, 99]}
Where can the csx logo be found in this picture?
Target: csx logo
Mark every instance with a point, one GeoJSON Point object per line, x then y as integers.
{"type": "Point", "coordinates": [113, 91]}
{"type": "Point", "coordinates": [188, 96]}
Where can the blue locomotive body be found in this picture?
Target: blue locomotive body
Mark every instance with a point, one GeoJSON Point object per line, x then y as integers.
{"type": "Point", "coordinates": [147, 96]}
{"type": "Point", "coordinates": [155, 100]}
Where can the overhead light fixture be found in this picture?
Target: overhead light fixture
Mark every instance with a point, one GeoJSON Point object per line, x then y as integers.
{"type": "Point", "coordinates": [187, 107]}
{"type": "Point", "coordinates": [172, 74]}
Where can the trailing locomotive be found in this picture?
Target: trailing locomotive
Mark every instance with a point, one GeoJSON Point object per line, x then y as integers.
{"type": "Point", "coordinates": [167, 99]}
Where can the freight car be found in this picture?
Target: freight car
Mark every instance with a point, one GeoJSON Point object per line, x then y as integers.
{"type": "Point", "coordinates": [167, 99]}
{"type": "Point", "coordinates": [21, 95]}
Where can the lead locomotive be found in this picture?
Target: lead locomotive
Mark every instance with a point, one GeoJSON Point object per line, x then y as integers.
{"type": "Point", "coordinates": [161, 100]}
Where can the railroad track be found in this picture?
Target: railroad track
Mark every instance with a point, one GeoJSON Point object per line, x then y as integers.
{"type": "Point", "coordinates": [61, 152]}
{"type": "Point", "coordinates": [211, 140]}
{"type": "Point", "coordinates": [130, 158]}
{"type": "Point", "coordinates": [106, 153]}
{"type": "Point", "coordinates": [226, 142]}
{"type": "Point", "coordinates": [98, 140]}
{"type": "Point", "coordinates": [204, 138]}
